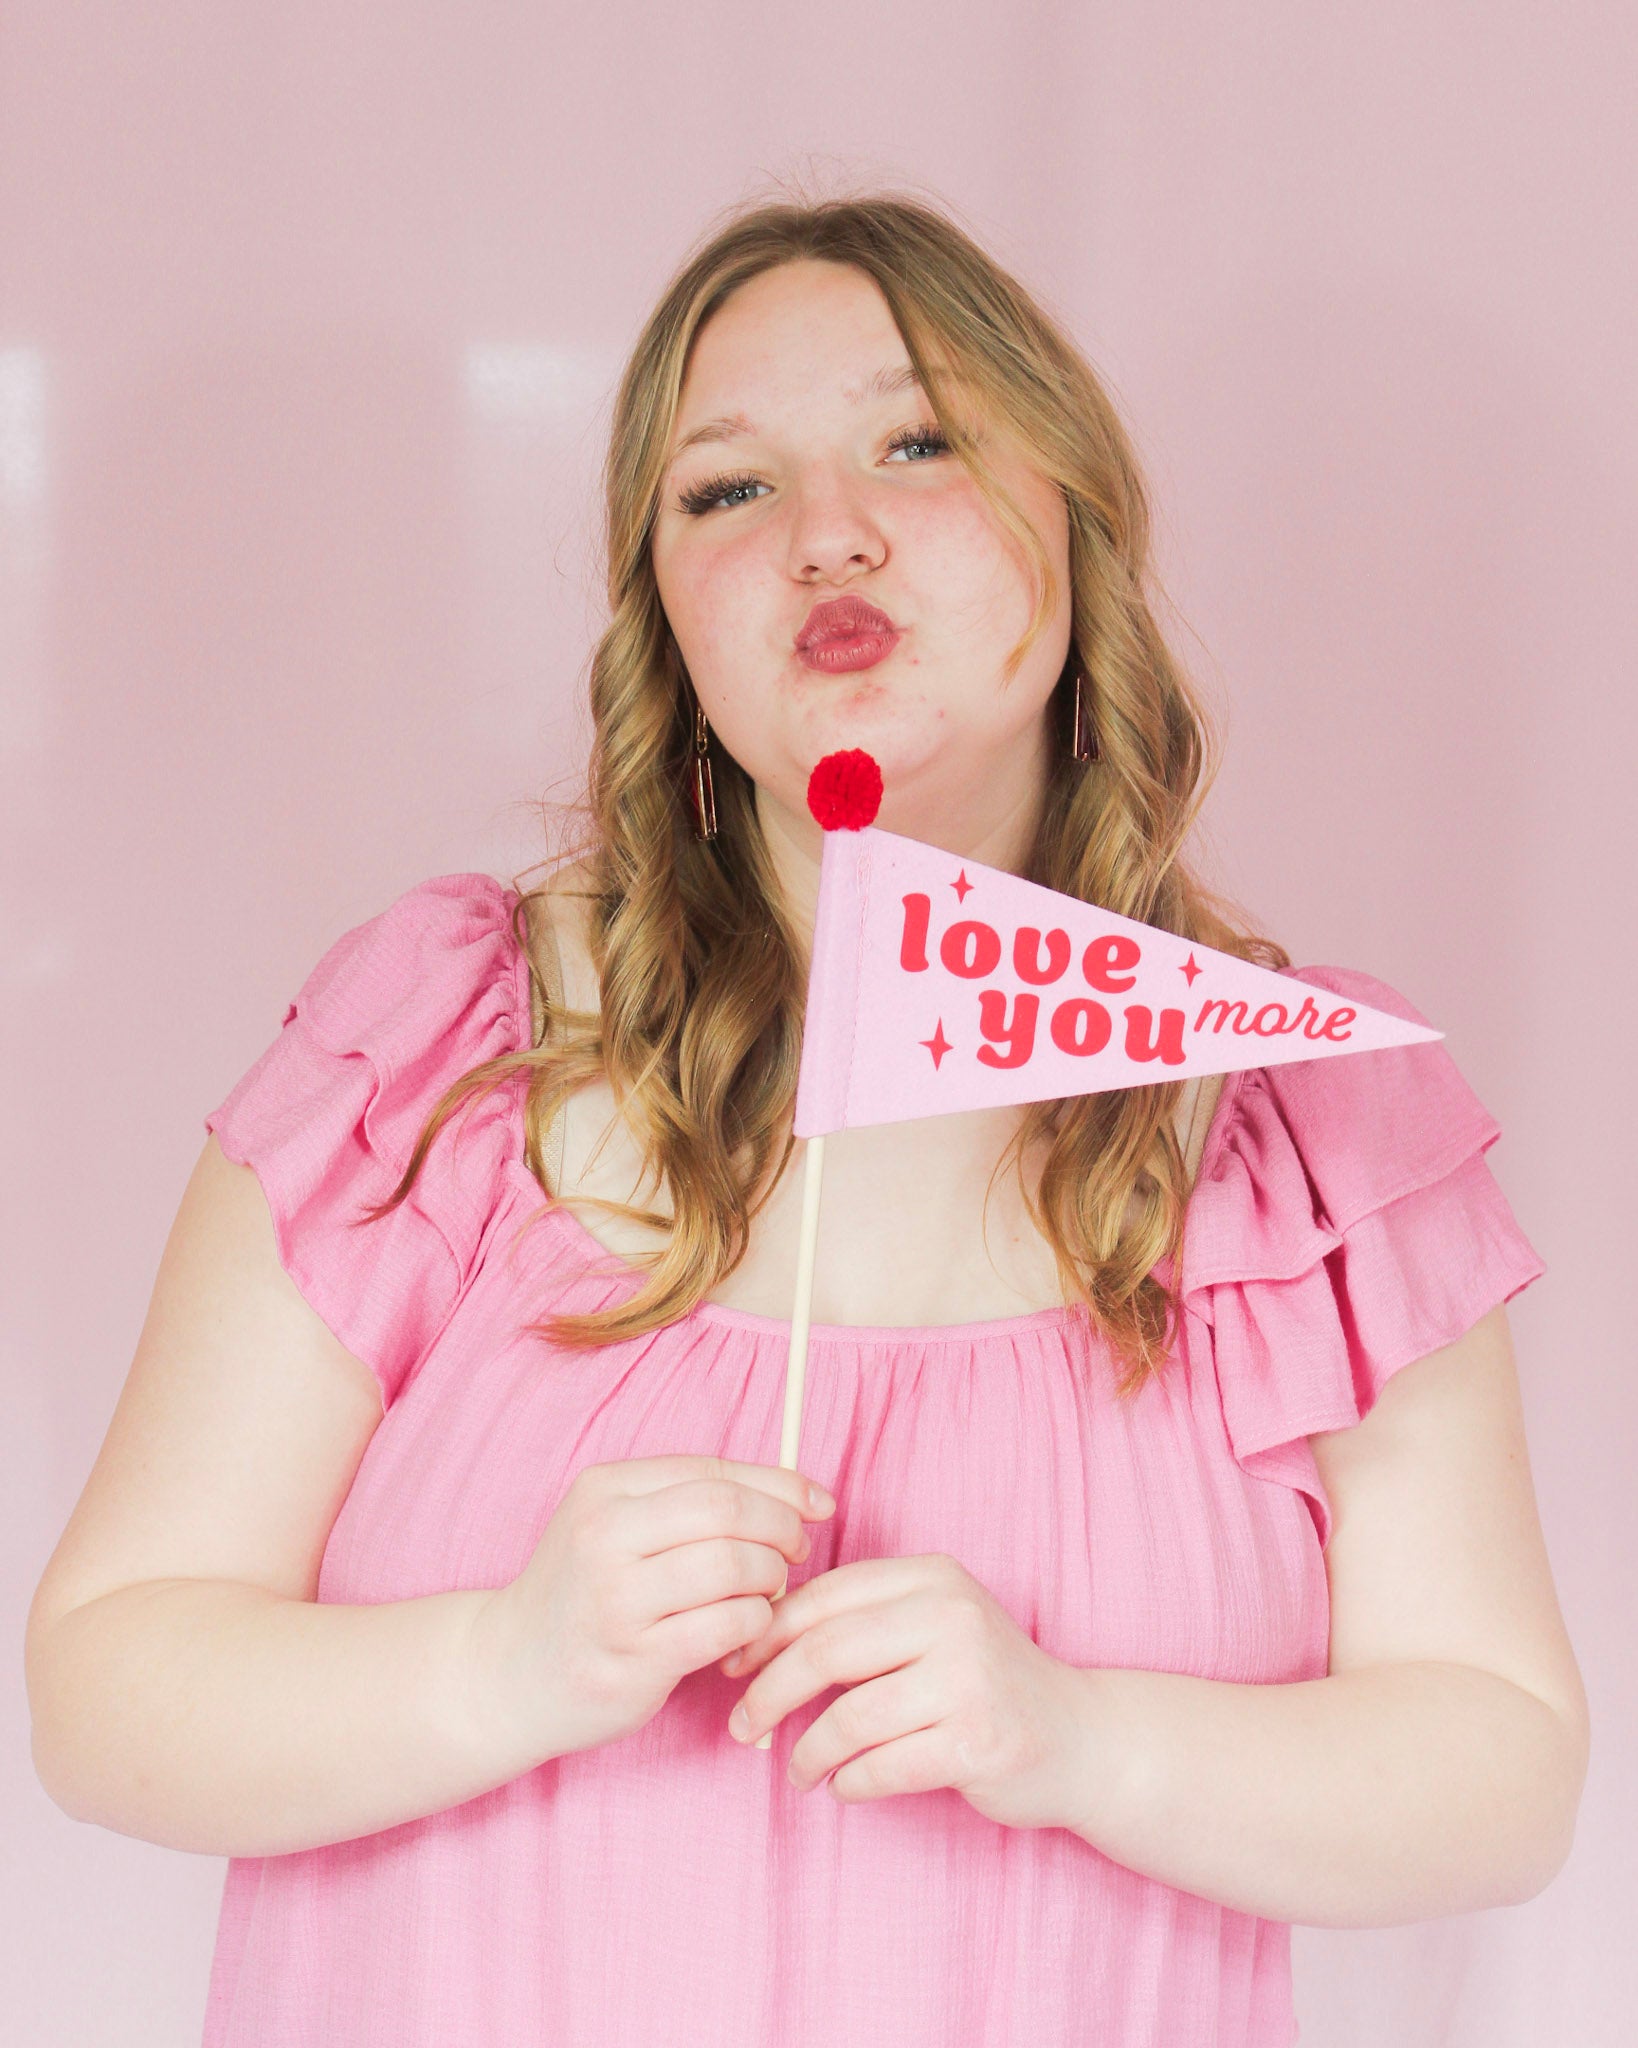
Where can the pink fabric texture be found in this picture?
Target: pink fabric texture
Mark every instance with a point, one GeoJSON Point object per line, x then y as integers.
{"type": "Point", "coordinates": [673, 1886]}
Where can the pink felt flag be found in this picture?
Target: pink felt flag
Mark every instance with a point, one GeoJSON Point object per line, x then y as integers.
{"type": "Point", "coordinates": [939, 984]}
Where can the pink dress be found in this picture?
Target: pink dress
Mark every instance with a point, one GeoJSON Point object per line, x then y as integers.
{"type": "Point", "coordinates": [672, 1887]}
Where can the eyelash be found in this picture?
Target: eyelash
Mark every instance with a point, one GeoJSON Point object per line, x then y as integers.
{"type": "Point", "coordinates": [703, 497]}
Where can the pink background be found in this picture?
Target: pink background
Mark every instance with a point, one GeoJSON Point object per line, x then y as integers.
{"type": "Point", "coordinates": [309, 323]}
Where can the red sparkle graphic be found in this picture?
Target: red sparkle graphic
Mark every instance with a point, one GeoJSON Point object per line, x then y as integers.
{"type": "Point", "coordinates": [938, 1045]}
{"type": "Point", "coordinates": [1191, 970]}
{"type": "Point", "coordinates": [961, 885]}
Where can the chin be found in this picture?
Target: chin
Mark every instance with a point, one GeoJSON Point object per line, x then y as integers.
{"type": "Point", "coordinates": [899, 736]}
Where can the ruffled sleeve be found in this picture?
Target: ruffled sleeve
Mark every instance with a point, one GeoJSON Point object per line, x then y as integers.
{"type": "Point", "coordinates": [1345, 1223]}
{"type": "Point", "coordinates": [327, 1117]}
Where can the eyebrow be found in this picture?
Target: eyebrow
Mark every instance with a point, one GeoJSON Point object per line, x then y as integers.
{"type": "Point", "coordinates": [731, 425]}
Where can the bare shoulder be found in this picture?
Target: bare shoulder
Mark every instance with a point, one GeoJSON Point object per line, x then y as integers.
{"type": "Point", "coordinates": [556, 923]}
{"type": "Point", "coordinates": [1437, 1551]}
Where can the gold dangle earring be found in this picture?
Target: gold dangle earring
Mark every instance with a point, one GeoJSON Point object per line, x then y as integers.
{"type": "Point", "coordinates": [1086, 733]}
{"type": "Point", "coordinates": [705, 797]}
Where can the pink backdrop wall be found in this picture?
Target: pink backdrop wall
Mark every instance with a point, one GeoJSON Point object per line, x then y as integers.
{"type": "Point", "coordinates": [309, 320]}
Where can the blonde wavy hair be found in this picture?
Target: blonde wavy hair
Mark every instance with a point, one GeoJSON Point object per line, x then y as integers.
{"type": "Point", "coordinates": [702, 992]}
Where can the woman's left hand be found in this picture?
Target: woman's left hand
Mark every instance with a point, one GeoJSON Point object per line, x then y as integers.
{"type": "Point", "coordinates": [945, 1689]}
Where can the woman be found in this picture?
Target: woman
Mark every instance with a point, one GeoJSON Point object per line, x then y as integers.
{"type": "Point", "coordinates": [431, 1516]}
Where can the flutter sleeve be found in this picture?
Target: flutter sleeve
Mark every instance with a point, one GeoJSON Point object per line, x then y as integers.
{"type": "Point", "coordinates": [1345, 1223]}
{"type": "Point", "coordinates": [327, 1117]}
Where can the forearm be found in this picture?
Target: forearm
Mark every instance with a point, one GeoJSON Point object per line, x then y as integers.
{"type": "Point", "coordinates": [216, 1717]}
{"type": "Point", "coordinates": [1365, 1799]}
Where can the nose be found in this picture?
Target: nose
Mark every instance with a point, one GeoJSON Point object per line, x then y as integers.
{"type": "Point", "coordinates": [831, 533]}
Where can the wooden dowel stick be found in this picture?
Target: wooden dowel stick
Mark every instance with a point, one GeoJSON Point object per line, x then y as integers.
{"type": "Point", "coordinates": [796, 1367]}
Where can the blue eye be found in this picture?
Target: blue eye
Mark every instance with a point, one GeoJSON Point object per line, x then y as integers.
{"type": "Point", "coordinates": [923, 436]}
{"type": "Point", "coordinates": [704, 497]}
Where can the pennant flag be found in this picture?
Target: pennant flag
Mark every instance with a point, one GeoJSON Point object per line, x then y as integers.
{"type": "Point", "coordinates": [939, 984]}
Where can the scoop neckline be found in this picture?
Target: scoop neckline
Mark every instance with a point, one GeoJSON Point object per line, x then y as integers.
{"type": "Point", "coordinates": [1062, 1316]}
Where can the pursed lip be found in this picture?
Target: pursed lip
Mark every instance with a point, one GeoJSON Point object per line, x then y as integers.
{"type": "Point", "coordinates": [838, 618]}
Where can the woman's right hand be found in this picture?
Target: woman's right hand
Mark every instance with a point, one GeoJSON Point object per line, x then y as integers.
{"type": "Point", "coordinates": [648, 1569]}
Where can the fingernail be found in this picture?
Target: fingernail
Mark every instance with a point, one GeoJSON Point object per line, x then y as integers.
{"type": "Point", "coordinates": [819, 1499]}
{"type": "Point", "coordinates": [732, 1663]}
{"type": "Point", "coordinates": [739, 1723]}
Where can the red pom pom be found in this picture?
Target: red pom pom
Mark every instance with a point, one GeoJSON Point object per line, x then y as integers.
{"type": "Point", "coordinates": [845, 790]}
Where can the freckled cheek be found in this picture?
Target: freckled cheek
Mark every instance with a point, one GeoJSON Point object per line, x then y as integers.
{"type": "Point", "coordinates": [955, 561]}
{"type": "Point", "coordinates": [718, 602]}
